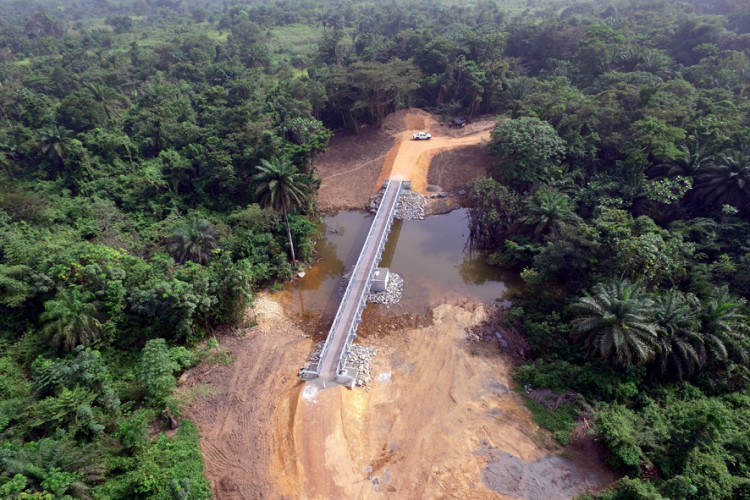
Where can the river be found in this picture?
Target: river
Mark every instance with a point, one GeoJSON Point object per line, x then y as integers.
{"type": "Point", "coordinates": [432, 255]}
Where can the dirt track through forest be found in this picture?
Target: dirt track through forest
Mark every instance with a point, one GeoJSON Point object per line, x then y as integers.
{"type": "Point", "coordinates": [439, 420]}
{"type": "Point", "coordinates": [410, 159]}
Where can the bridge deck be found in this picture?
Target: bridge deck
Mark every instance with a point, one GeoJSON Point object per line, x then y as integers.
{"type": "Point", "coordinates": [350, 310]}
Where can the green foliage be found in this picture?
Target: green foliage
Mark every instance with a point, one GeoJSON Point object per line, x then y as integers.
{"type": "Point", "coordinates": [195, 241]}
{"type": "Point", "coordinates": [156, 370]}
{"type": "Point", "coordinates": [71, 319]}
{"type": "Point", "coordinates": [632, 489]}
{"type": "Point", "coordinates": [560, 421]}
{"type": "Point", "coordinates": [615, 323]}
{"type": "Point", "coordinates": [494, 209]}
{"type": "Point", "coordinates": [655, 141]}
{"type": "Point", "coordinates": [529, 151]}
{"type": "Point", "coordinates": [161, 469]}
{"type": "Point", "coordinates": [53, 466]}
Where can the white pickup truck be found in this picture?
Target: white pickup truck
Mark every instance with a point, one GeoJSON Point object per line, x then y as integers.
{"type": "Point", "coordinates": [422, 136]}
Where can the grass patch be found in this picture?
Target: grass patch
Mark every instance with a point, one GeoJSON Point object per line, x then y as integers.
{"type": "Point", "coordinates": [184, 397]}
{"type": "Point", "coordinates": [219, 36]}
{"type": "Point", "coordinates": [20, 62]}
{"type": "Point", "coordinates": [296, 39]}
{"type": "Point", "coordinates": [560, 421]}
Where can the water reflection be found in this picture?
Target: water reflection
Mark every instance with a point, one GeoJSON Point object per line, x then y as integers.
{"type": "Point", "coordinates": [432, 255]}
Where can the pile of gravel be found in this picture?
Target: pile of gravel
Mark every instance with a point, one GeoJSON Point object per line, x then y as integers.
{"type": "Point", "coordinates": [314, 358]}
{"type": "Point", "coordinates": [391, 294]}
{"type": "Point", "coordinates": [410, 205]}
{"type": "Point", "coordinates": [359, 358]}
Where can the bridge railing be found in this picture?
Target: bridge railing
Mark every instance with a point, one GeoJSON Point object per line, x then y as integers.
{"type": "Point", "coordinates": [373, 233]}
{"type": "Point", "coordinates": [351, 286]}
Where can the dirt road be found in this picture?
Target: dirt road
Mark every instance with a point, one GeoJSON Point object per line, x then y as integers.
{"type": "Point", "coordinates": [439, 419]}
{"type": "Point", "coordinates": [410, 159]}
{"type": "Point", "coordinates": [356, 166]}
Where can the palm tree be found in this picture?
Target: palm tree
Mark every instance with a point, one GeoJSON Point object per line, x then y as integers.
{"type": "Point", "coordinates": [628, 59]}
{"type": "Point", "coordinates": [70, 319]}
{"type": "Point", "coordinates": [55, 142]}
{"type": "Point", "coordinates": [514, 92]}
{"type": "Point", "coordinates": [695, 157]}
{"type": "Point", "coordinates": [726, 181]}
{"type": "Point", "coordinates": [105, 96]}
{"type": "Point", "coordinates": [654, 62]}
{"type": "Point", "coordinates": [681, 346]}
{"type": "Point", "coordinates": [615, 322]}
{"type": "Point", "coordinates": [280, 185]}
{"type": "Point", "coordinates": [36, 463]}
{"type": "Point", "coordinates": [721, 321]}
{"type": "Point", "coordinates": [194, 240]}
{"type": "Point", "coordinates": [549, 211]}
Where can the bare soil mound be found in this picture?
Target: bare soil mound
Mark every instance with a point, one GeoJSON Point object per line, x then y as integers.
{"type": "Point", "coordinates": [235, 418]}
{"type": "Point", "coordinates": [452, 170]}
{"type": "Point", "coordinates": [355, 167]}
{"type": "Point", "coordinates": [409, 119]}
{"type": "Point", "coordinates": [350, 169]}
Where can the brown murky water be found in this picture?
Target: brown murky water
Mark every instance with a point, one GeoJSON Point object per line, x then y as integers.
{"type": "Point", "coordinates": [432, 256]}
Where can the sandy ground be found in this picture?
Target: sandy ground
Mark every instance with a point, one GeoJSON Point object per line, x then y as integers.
{"type": "Point", "coordinates": [439, 419]}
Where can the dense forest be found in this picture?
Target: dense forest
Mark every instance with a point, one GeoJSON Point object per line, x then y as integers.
{"type": "Point", "coordinates": [157, 167]}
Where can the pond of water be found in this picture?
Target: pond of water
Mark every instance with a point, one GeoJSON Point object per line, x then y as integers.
{"type": "Point", "coordinates": [432, 256]}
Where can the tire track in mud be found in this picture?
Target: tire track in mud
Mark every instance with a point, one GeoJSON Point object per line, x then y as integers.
{"type": "Point", "coordinates": [235, 424]}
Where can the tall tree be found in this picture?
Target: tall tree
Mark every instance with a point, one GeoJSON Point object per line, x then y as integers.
{"type": "Point", "coordinates": [695, 156]}
{"type": "Point", "coordinates": [615, 323]}
{"type": "Point", "coordinates": [105, 96]}
{"type": "Point", "coordinates": [281, 186]}
{"type": "Point", "coordinates": [529, 151]}
{"type": "Point", "coordinates": [722, 321]}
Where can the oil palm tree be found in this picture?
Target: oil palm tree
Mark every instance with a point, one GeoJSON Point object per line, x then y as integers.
{"type": "Point", "coordinates": [726, 181]}
{"type": "Point", "coordinates": [105, 96]}
{"type": "Point", "coordinates": [681, 352]}
{"type": "Point", "coordinates": [70, 319]}
{"type": "Point", "coordinates": [695, 157]}
{"type": "Point", "coordinates": [616, 323]}
{"type": "Point", "coordinates": [281, 186]}
{"type": "Point", "coordinates": [36, 463]}
{"type": "Point", "coordinates": [548, 211]}
{"type": "Point", "coordinates": [194, 240]}
{"type": "Point", "coordinates": [514, 92]}
{"type": "Point", "coordinates": [55, 142]}
{"type": "Point", "coordinates": [721, 324]}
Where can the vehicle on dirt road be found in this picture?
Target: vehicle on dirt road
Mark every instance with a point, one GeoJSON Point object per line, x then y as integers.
{"type": "Point", "coordinates": [422, 136]}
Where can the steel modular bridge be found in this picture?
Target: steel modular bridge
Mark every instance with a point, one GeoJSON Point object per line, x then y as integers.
{"type": "Point", "coordinates": [331, 367]}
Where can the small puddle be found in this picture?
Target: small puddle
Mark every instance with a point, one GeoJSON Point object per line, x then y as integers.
{"type": "Point", "coordinates": [432, 256]}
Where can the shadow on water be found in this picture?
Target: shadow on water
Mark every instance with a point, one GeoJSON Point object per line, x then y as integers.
{"type": "Point", "coordinates": [432, 255]}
